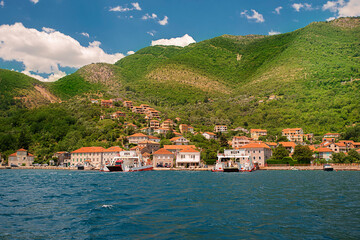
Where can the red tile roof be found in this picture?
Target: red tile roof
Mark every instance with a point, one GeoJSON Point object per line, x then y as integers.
{"type": "Point", "coordinates": [89, 150]}
{"type": "Point", "coordinates": [178, 147]}
{"type": "Point", "coordinates": [258, 130]}
{"type": "Point", "coordinates": [21, 150]}
{"type": "Point", "coordinates": [114, 149]}
{"type": "Point", "coordinates": [138, 135]}
{"type": "Point", "coordinates": [256, 145]}
{"type": "Point", "coordinates": [288, 144]}
{"type": "Point", "coordinates": [323, 149]}
{"type": "Point", "coordinates": [12, 155]}
{"type": "Point", "coordinates": [163, 151]}
{"type": "Point", "coordinates": [152, 137]}
{"type": "Point", "coordinates": [187, 150]}
{"type": "Point", "coordinates": [210, 133]}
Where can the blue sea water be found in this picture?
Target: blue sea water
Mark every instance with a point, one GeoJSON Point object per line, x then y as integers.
{"type": "Point", "coordinates": [46, 204]}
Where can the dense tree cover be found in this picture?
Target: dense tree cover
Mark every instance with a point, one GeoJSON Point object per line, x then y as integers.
{"type": "Point", "coordinates": [303, 154]}
{"type": "Point", "coordinates": [352, 157]}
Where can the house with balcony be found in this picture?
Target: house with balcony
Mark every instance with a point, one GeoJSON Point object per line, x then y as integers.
{"type": "Point", "coordinates": [154, 124]}
{"type": "Point", "coordinates": [323, 153]}
{"type": "Point", "coordinates": [184, 128]}
{"type": "Point", "coordinates": [117, 115]}
{"type": "Point", "coordinates": [239, 141]}
{"type": "Point", "coordinates": [293, 134]}
{"type": "Point", "coordinates": [137, 138]}
{"type": "Point", "coordinates": [256, 133]}
{"type": "Point", "coordinates": [128, 104]}
{"type": "Point", "coordinates": [188, 158]}
{"type": "Point", "coordinates": [259, 152]}
{"type": "Point", "coordinates": [150, 146]}
{"type": "Point", "coordinates": [137, 109]}
{"type": "Point", "coordinates": [209, 135]}
{"type": "Point", "coordinates": [220, 128]}
{"type": "Point", "coordinates": [107, 103]}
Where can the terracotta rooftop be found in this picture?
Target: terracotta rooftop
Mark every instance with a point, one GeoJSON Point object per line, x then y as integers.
{"type": "Point", "coordinates": [138, 135]}
{"type": "Point", "coordinates": [187, 150]}
{"type": "Point", "coordinates": [114, 149]}
{"type": "Point", "coordinates": [258, 130]}
{"type": "Point", "coordinates": [89, 150]}
{"type": "Point", "coordinates": [287, 144]}
{"type": "Point", "coordinates": [256, 145]}
{"type": "Point", "coordinates": [177, 147]}
{"type": "Point", "coordinates": [210, 133]}
{"type": "Point", "coordinates": [162, 151]}
{"type": "Point", "coordinates": [323, 149]}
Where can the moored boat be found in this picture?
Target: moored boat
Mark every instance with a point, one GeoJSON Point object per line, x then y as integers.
{"type": "Point", "coordinates": [233, 161]}
{"type": "Point", "coordinates": [328, 168]}
{"type": "Point", "coordinates": [127, 161]}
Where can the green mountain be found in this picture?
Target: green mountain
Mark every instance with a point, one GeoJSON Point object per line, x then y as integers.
{"type": "Point", "coordinates": [17, 89]}
{"type": "Point", "coordinates": [307, 78]}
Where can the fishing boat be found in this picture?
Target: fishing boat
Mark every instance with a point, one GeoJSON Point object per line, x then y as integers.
{"type": "Point", "coordinates": [233, 161]}
{"type": "Point", "coordinates": [127, 161]}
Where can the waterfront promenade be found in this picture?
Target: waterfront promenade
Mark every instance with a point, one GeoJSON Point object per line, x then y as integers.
{"type": "Point", "coordinates": [336, 166]}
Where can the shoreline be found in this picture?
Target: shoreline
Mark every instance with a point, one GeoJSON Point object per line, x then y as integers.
{"type": "Point", "coordinates": [337, 167]}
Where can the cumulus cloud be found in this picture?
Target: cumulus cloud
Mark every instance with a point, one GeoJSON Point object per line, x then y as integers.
{"type": "Point", "coordinates": [277, 10]}
{"type": "Point", "coordinates": [155, 17]}
{"type": "Point", "coordinates": [47, 50]}
{"type": "Point", "coordinates": [48, 30]}
{"type": "Point", "coordinates": [164, 21]}
{"type": "Point", "coordinates": [255, 16]}
{"type": "Point", "coordinates": [330, 19]}
{"type": "Point", "coordinates": [136, 6]}
{"type": "Point", "coordinates": [34, 1]}
{"type": "Point", "coordinates": [2, 3]}
{"type": "Point", "coordinates": [342, 8]}
{"type": "Point", "coordinates": [130, 52]}
{"type": "Point", "coordinates": [85, 34]}
{"type": "Point", "coordinates": [274, 33]}
{"type": "Point", "coordinates": [52, 78]}
{"type": "Point", "coordinates": [180, 41]}
{"type": "Point", "coordinates": [299, 6]}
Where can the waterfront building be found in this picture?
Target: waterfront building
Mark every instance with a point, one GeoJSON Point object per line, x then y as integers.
{"type": "Point", "coordinates": [256, 133]}
{"type": "Point", "coordinates": [87, 156]}
{"type": "Point", "coordinates": [177, 148]}
{"type": "Point", "coordinates": [259, 152]}
{"type": "Point", "coordinates": [63, 158]}
{"type": "Point", "coordinates": [150, 146]}
{"type": "Point", "coordinates": [110, 153]}
{"type": "Point", "coordinates": [21, 158]}
{"type": "Point", "coordinates": [163, 158]}
{"type": "Point", "coordinates": [188, 157]}
{"type": "Point", "coordinates": [324, 153]}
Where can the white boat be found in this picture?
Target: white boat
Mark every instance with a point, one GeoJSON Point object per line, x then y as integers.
{"type": "Point", "coordinates": [127, 161]}
{"type": "Point", "coordinates": [233, 161]}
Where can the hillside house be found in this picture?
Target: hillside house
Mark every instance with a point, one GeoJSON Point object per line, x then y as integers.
{"type": "Point", "coordinates": [154, 139]}
{"type": "Point", "coordinates": [336, 147]}
{"type": "Point", "coordinates": [293, 134]}
{"type": "Point", "coordinates": [256, 133]}
{"type": "Point", "coordinates": [63, 158]}
{"type": "Point", "coordinates": [137, 109]}
{"type": "Point", "coordinates": [220, 128]}
{"type": "Point", "coordinates": [128, 104]}
{"type": "Point", "coordinates": [239, 141]}
{"type": "Point", "coordinates": [259, 152]}
{"type": "Point", "coordinates": [161, 131]}
{"type": "Point", "coordinates": [144, 107]}
{"type": "Point", "coordinates": [184, 128]}
{"type": "Point", "coordinates": [163, 158]}
{"type": "Point", "coordinates": [94, 101]}
{"type": "Point", "coordinates": [290, 146]}
{"type": "Point", "coordinates": [177, 148]}
{"type": "Point", "coordinates": [209, 135]}
{"type": "Point", "coordinates": [188, 157]}
{"type": "Point", "coordinates": [150, 145]}
{"type": "Point", "coordinates": [21, 157]}
{"type": "Point", "coordinates": [154, 124]}
{"type": "Point", "coordinates": [179, 141]}
{"type": "Point", "coordinates": [167, 124]}
{"type": "Point", "coordinates": [323, 153]}
{"type": "Point", "coordinates": [137, 138]}
{"type": "Point", "coordinates": [130, 125]}
{"type": "Point", "coordinates": [107, 103]}
{"type": "Point", "coordinates": [117, 114]}
{"type": "Point", "coordinates": [238, 129]}
{"type": "Point", "coordinates": [332, 135]}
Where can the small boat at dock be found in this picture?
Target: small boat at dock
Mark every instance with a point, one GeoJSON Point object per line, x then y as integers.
{"type": "Point", "coordinates": [328, 168]}
{"type": "Point", "coordinates": [127, 161]}
{"type": "Point", "coordinates": [233, 161]}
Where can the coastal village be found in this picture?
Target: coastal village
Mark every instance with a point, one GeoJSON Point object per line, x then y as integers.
{"type": "Point", "coordinates": [166, 144]}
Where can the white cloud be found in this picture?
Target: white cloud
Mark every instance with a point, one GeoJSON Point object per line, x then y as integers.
{"type": "Point", "coordinates": [342, 8]}
{"type": "Point", "coordinates": [164, 21]}
{"type": "Point", "coordinates": [48, 30]}
{"type": "Point", "coordinates": [34, 1]}
{"type": "Point", "coordinates": [147, 16]}
{"type": "Point", "coordinates": [136, 6]}
{"type": "Point", "coordinates": [151, 33]}
{"type": "Point", "coordinates": [52, 77]}
{"type": "Point", "coordinates": [256, 16]}
{"type": "Point", "coordinates": [180, 41]}
{"type": "Point", "coordinates": [299, 6]}
{"type": "Point", "coordinates": [2, 3]}
{"type": "Point", "coordinates": [45, 51]}
{"type": "Point", "coordinates": [130, 52]}
{"type": "Point", "coordinates": [274, 33]}
{"type": "Point", "coordinates": [85, 34]}
{"type": "Point", "coordinates": [277, 10]}
{"type": "Point", "coordinates": [330, 19]}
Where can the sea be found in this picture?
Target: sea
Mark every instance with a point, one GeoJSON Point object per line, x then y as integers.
{"type": "Point", "coordinates": [61, 204]}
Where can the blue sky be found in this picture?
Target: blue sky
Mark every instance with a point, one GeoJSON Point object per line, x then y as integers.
{"type": "Point", "coordinates": [55, 37]}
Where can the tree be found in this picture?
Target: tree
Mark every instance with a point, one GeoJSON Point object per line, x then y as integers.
{"type": "Point", "coordinates": [223, 141]}
{"type": "Point", "coordinates": [303, 154]}
{"type": "Point", "coordinates": [170, 134]}
{"type": "Point", "coordinates": [338, 157]}
{"type": "Point", "coordinates": [280, 152]}
{"type": "Point", "coordinates": [165, 142]}
{"type": "Point", "coordinates": [353, 156]}
{"type": "Point", "coordinates": [282, 139]}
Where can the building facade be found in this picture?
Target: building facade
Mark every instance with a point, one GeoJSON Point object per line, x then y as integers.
{"type": "Point", "coordinates": [21, 158]}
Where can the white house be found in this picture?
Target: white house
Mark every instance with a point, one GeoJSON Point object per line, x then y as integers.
{"type": "Point", "coordinates": [209, 135]}
{"type": "Point", "coordinates": [188, 157]}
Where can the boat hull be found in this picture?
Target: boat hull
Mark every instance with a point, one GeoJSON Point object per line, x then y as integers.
{"type": "Point", "coordinates": [328, 169]}
{"type": "Point", "coordinates": [115, 168]}
{"type": "Point", "coordinates": [142, 168]}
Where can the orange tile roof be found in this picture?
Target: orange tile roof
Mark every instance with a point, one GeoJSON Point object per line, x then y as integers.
{"type": "Point", "coordinates": [13, 155]}
{"type": "Point", "coordinates": [136, 147]}
{"type": "Point", "coordinates": [178, 147]}
{"type": "Point", "coordinates": [242, 137]}
{"type": "Point", "coordinates": [323, 149]}
{"type": "Point", "coordinates": [291, 129]}
{"type": "Point", "coordinates": [114, 149]}
{"type": "Point", "coordinates": [162, 151]}
{"type": "Point", "coordinates": [176, 138]}
{"type": "Point", "coordinates": [89, 150]}
{"type": "Point", "coordinates": [152, 137]}
{"type": "Point", "coordinates": [187, 150]}
{"type": "Point", "coordinates": [210, 133]}
{"type": "Point", "coordinates": [137, 135]}
{"type": "Point", "coordinates": [258, 130]}
{"type": "Point", "coordinates": [271, 143]}
{"type": "Point", "coordinates": [146, 141]}
{"type": "Point", "coordinates": [21, 150]}
{"type": "Point", "coordinates": [340, 144]}
{"type": "Point", "coordinates": [287, 144]}
{"type": "Point", "coordinates": [312, 148]}
{"type": "Point", "coordinates": [256, 145]}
